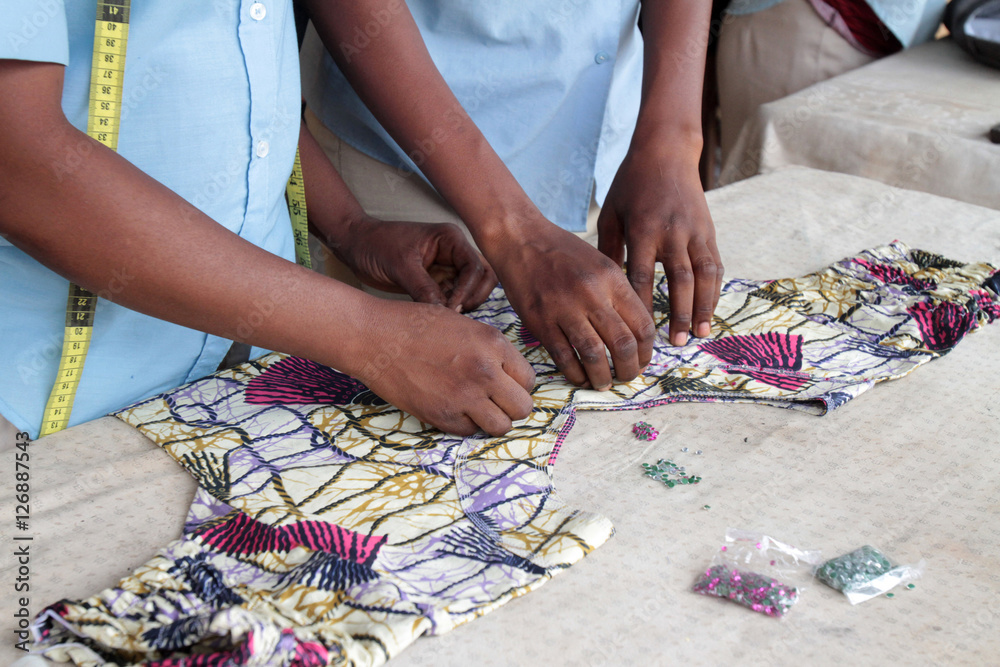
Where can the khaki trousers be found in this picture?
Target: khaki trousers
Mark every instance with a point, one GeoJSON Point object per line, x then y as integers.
{"type": "Point", "coordinates": [771, 54]}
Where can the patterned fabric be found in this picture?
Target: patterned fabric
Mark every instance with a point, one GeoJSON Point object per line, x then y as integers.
{"type": "Point", "coordinates": [332, 529]}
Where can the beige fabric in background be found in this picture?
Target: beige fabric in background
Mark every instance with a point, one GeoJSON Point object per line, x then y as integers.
{"type": "Point", "coordinates": [772, 53]}
{"type": "Point", "coordinates": [7, 434]}
{"type": "Point", "coordinates": [388, 193]}
{"type": "Point", "coordinates": [918, 119]}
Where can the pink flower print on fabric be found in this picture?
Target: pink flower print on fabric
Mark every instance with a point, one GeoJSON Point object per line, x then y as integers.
{"type": "Point", "coordinates": [772, 350]}
{"type": "Point", "coordinates": [294, 381]}
{"type": "Point", "coordinates": [892, 275]}
{"type": "Point", "coordinates": [241, 535]}
{"type": "Point", "coordinates": [942, 325]}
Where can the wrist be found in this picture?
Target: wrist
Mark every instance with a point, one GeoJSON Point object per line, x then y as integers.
{"type": "Point", "coordinates": [350, 329]}
{"type": "Point", "coordinates": [340, 234]}
{"type": "Point", "coordinates": [500, 230]}
{"type": "Point", "coordinates": [675, 142]}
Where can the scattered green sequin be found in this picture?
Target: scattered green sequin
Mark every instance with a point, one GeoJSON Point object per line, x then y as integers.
{"type": "Point", "coordinates": [854, 569]}
{"type": "Point", "coordinates": [911, 586]}
{"type": "Point", "coordinates": [669, 473]}
{"type": "Point", "coordinates": [890, 595]}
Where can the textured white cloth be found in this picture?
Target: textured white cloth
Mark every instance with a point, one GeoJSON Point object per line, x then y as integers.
{"type": "Point", "coordinates": [917, 120]}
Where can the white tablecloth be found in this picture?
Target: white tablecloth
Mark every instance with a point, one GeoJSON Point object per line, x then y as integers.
{"type": "Point", "coordinates": [910, 467]}
{"type": "Point", "coordinates": [918, 119]}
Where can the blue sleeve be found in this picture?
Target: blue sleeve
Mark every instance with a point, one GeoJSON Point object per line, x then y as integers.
{"type": "Point", "coordinates": [744, 7]}
{"type": "Point", "coordinates": [912, 22]}
{"type": "Point", "coordinates": [34, 30]}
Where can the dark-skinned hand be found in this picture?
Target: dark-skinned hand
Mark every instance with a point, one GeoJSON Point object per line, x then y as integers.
{"type": "Point", "coordinates": [433, 263]}
{"type": "Point", "coordinates": [656, 210]}
{"type": "Point", "coordinates": [578, 304]}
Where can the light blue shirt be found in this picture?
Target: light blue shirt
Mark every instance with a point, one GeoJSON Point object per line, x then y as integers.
{"type": "Point", "coordinates": [211, 110]}
{"type": "Point", "coordinates": [554, 85]}
{"type": "Point", "coordinates": [911, 21]}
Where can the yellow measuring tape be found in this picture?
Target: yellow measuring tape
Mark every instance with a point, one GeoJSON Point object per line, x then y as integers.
{"type": "Point", "coordinates": [295, 193]}
{"type": "Point", "coordinates": [107, 76]}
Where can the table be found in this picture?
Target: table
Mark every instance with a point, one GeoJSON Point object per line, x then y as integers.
{"type": "Point", "coordinates": [909, 467]}
{"type": "Point", "coordinates": [919, 119]}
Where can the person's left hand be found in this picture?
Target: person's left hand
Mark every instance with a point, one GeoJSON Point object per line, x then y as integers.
{"type": "Point", "coordinates": [433, 263]}
{"type": "Point", "coordinates": [656, 209]}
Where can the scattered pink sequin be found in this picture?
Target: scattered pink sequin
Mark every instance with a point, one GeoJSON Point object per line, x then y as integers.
{"type": "Point", "coordinates": [645, 431]}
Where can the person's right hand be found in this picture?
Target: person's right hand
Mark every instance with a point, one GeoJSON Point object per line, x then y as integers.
{"type": "Point", "coordinates": [577, 303]}
{"type": "Point", "coordinates": [446, 369]}
{"type": "Point", "coordinates": [433, 263]}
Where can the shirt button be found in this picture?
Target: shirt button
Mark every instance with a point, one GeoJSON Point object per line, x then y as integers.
{"type": "Point", "coordinates": [258, 11]}
{"type": "Point", "coordinates": [601, 57]}
{"type": "Point", "coordinates": [263, 148]}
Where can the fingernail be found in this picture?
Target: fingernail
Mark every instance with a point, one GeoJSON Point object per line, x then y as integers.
{"type": "Point", "coordinates": [680, 338]}
{"type": "Point", "coordinates": [458, 308]}
{"type": "Point", "coordinates": [604, 388]}
{"type": "Point", "coordinates": [704, 330]}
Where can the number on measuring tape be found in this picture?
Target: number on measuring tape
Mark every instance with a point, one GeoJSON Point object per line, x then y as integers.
{"type": "Point", "coordinates": [295, 193]}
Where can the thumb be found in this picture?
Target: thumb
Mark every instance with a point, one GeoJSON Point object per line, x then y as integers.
{"type": "Point", "coordinates": [417, 282]}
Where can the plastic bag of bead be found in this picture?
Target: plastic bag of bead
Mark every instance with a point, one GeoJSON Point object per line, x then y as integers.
{"type": "Point", "coordinates": [865, 573]}
{"type": "Point", "coordinates": [758, 572]}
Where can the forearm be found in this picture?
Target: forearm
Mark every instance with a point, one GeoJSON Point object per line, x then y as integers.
{"type": "Point", "coordinates": [399, 82]}
{"type": "Point", "coordinates": [107, 220]}
{"type": "Point", "coordinates": [331, 206]}
{"type": "Point", "coordinates": [675, 35]}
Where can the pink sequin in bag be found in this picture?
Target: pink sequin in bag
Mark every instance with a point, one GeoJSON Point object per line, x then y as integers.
{"type": "Point", "coordinates": [758, 572]}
